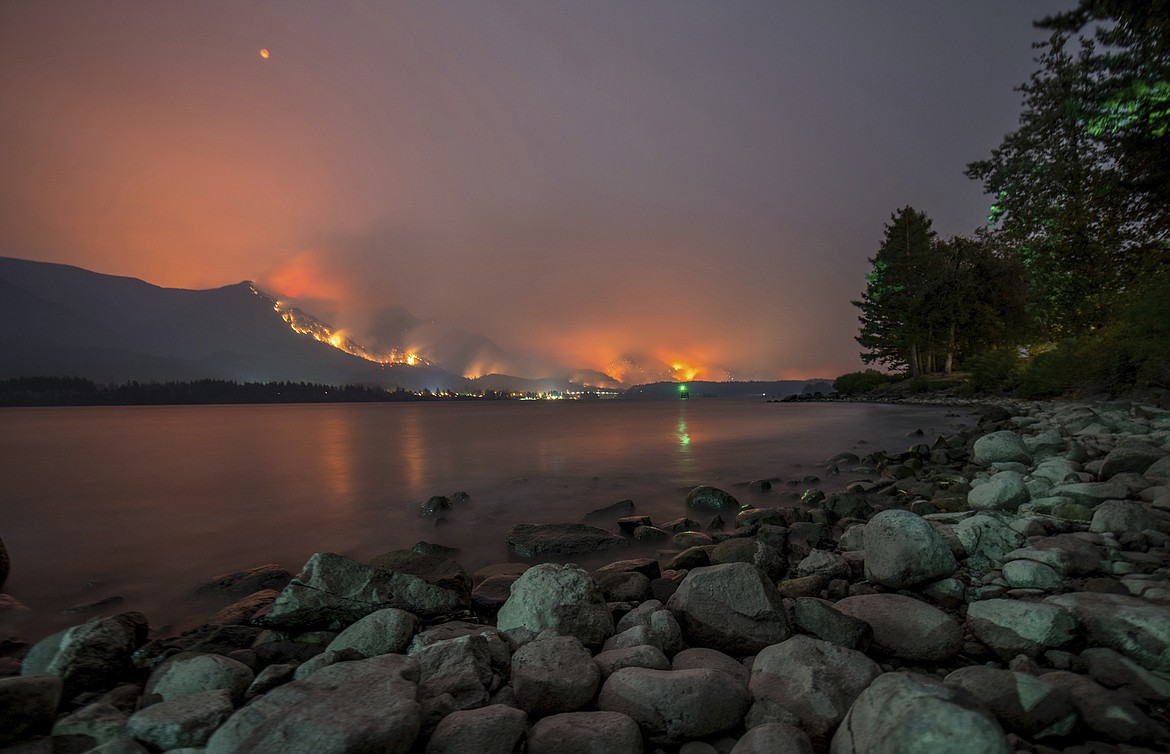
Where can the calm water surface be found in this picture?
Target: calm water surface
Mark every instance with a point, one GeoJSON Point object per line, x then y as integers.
{"type": "Point", "coordinates": [146, 502]}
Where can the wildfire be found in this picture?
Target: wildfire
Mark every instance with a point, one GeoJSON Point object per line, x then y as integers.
{"type": "Point", "coordinates": [307, 324]}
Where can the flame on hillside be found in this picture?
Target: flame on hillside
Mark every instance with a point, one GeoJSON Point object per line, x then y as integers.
{"type": "Point", "coordinates": [306, 324]}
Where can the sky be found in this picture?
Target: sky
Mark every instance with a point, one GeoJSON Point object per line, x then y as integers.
{"type": "Point", "coordinates": [586, 183]}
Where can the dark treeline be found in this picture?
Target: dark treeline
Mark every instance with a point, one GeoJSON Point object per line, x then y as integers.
{"type": "Point", "coordinates": [77, 391]}
{"type": "Point", "coordinates": [1066, 287]}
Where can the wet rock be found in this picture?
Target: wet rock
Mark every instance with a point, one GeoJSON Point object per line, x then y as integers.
{"type": "Point", "coordinates": [1130, 455]}
{"type": "Point", "coordinates": [324, 660]}
{"type": "Point", "coordinates": [730, 607]}
{"type": "Point", "coordinates": [639, 656]}
{"type": "Point", "coordinates": [774, 738]}
{"type": "Point", "coordinates": [538, 540]}
{"type": "Point", "coordinates": [847, 505]}
{"type": "Point", "coordinates": [208, 639]}
{"type": "Point", "coordinates": [692, 557]}
{"type": "Point", "coordinates": [1011, 627]}
{"type": "Point", "coordinates": [825, 564]}
{"type": "Point", "coordinates": [563, 598]}
{"type": "Point", "coordinates": [367, 705]}
{"type": "Point", "coordinates": [244, 611]}
{"type": "Point", "coordinates": [1022, 703]}
{"type": "Point", "coordinates": [1000, 447]}
{"type": "Point", "coordinates": [1004, 491]}
{"type": "Point", "coordinates": [902, 550]}
{"type": "Point", "coordinates": [1091, 493]}
{"type": "Point", "coordinates": [1113, 670]}
{"type": "Point", "coordinates": [815, 680]}
{"type": "Point", "coordinates": [648, 533]}
{"type": "Point", "coordinates": [676, 705]}
{"type": "Point", "coordinates": [619, 509]}
{"type": "Point", "coordinates": [711, 497]}
{"type": "Point", "coordinates": [435, 505]}
{"type": "Point", "coordinates": [649, 623]}
{"type": "Point", "coordinates": [820, 619]}
{"type": "Point", "coordinates": [1028, 574]}
{"type": "Point", "coordinates": [913, 714]}
{"type": "Point", "coordinates": [491, 593]}
{"type": "Point", "coordinates": [701, 657]}
{"type": "Point", "coordinates": [1122, 516]}
{"type": "Point", "coordinates": [630, 524]}
{"type": "Point", "coordinates": [629, 586]}
{"type": "Point", "coordinates": [332, 590]}
{"type": "Point", "coordinates": [585, 733]}
{"type": "Point", "coordinates": [986, 537]}
{"type": "Point", "coordinates": [554, 675]}
{"type": "Point", "coordinates": [89, 657]}
{"type": "Point", "coordinates": [190, 673]}
{"type": "Point", "coordinates": [1107, 713]}
{"type": "Point", "coordinates": [438, 570]}
{"type": "Point", "coordinates": [240, 584]}
{"type": "Point", "coordinates": [1138, 629]}
{"type": "Point", "coordinates": [460, 668]}
{"type": "Point", "coordinates": [28, 705]}
{"type": "Point", "coordinates": [495, 729]}
{"type": "Point", "coordinates": [381, 632]}
{"type": "Point", "coordinates": [185, 721]}
{"type": "Point", "coordinates": [905, 627]}
{"type": "Point", "coordinates": [1079, 555]}
{"type": "Point", "coordinates": [750, 550]}
{"type": "Point", "coordinates": [100, 721]}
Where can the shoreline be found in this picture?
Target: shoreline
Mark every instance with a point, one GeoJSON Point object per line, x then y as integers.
{"type": "Point", "coordinates": [919, 573]}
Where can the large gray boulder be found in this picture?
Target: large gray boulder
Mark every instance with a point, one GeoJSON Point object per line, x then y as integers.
{"type": "Point", "coordinates": [91, 656]}
{"type": "Point", "coordinates": [730, 607]}
{"type": "Point", "coordinates": [561, 598]}
{"type": "Point", "coordinates": [585, 733]}
{"type": "Point", "coordinates": [185, 721]}
{"type": "Point", "coordinates": [676, 705]}
{"type": "Point", "coordinates": [1013, 627]}
{"type": "Point", "coordinates": [1022, 703]}
{"type": "Point", "coordinates": [192, 673]}
{"type": "Point", "coordinates": [1138, 629]}
{"type": "Point", "coordinates": [1130, 455]}
{"type": "Point", "coordinates": [815, 680]}
{"type": "Point", "coordinates": [101, 721]}
{"type": "Point", "coordinates": [335, 591]}
{"type": "Point", "coordinates": [387, 631]}
{"type": "Point", "coordinates": [906, 628]}
{"type": "Point", "coordinates": [1004, 491]}
{"type": "Point", "coordinates": [1121, 516]}
{"type": "Point", "coordinates": [554, 675]}
{"type": "Point", "coordinates": [433, 569]}
{"type": "Point", "coordinates": [1001, 447]}
{"type": "Point", "coordinates": [28, 705]}
{"type": "Point", "coordinates": [986, 537]}
{"type": "Point", "coordinates": [495, 729]}
{"type": "Point", "coordinates": [365, 705]}
{"type": "Point", "coordinates": [539, 540]}
{"type": "Point", "coordinates": [461, 668]}
{"type": "Point", "coordinates": [705, 496]}
{"type": "Point", "coordinates": [902, 549]}
{"type": "Point", "coordinates": [913, 714]}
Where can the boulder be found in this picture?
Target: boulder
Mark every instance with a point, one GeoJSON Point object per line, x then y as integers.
{"type": "Point", "coordinates": [730, 607]}
{"type": "Point", "coordinates": [903, 549]}
{"type": "Point", "coordinates": [184, 721]}
{"type": "Point", "coordinates": [1113, 670]}
{"type": "Point", "coordinates": [1130, 455]}
{"type": "Point", "coordinates": [986, 537]}
{"type": "Point", "coordinates": [751, 550]}
{"type": "Point", "coordinates": [704, 496]}
{"type": "Point", "coordinates": [585, 733]}
{"type": "Point", "coordinates": [539, 540]}
{"type": "Point", "coordinates": [639, 656]}
{"type": "Point", "coordinates": [91, 656]}
{"type": "Point", "coordinates": [563, 598]}
{"type": "Point", "coordinates": [246, 610]}
{"type": "Point", "coordinates": [193, 673]}
{"type": "Point", "coordinates": [1107, 713]}
{"type": "Point", "coordinates": [438, 570]}
{"type": "Point", "coordinates": [625, 586]}
{"type": "Point", "coordinates": [495, 729]}
{"type": "Point", "coordinates": [239, 584]}
{"type": "Point", "coordinates": [28, 705]}
{"type": "Point", "coordinates": [820, 619]}
{"type": "Point", "coordinates": [1022, 703]}
{"type": "Point", "coordinates": [461, 668]}
{"type": "Point", "coordinates": [675, 705]}
{"type": "Point", "coordinates": [649, 623]}
{"type": "Point", "coordinates": [1029, 574]}
{"type": "Point", "coordinates": [1121, 516]}
{"type": "Point", "coordinates": [1138, 629]}
{"type": "Point", "coordinates": [435, 505]}
{"type": "Point", "coordinates": [701, 657]}
{"type": "Point", "coordinates": [491, 593]}
{"type": "Point", "coordinates": [1004, 491]}
{"type": "Point", "coordinates": [773, 738]}
{"type": "Point", "coordinates": [1001, 447]}
{"type": "Point", "coordinates": [100, 721]}
{"type": "Point", "coordinates": [333, 590]}
{"type": "Point", "coordinates": [617, 510]}
{"type": "Point", "coordinates": [1090, 493]}
{"type": "Point", "coordinates": [813, 679]}
{"type": "Point", "coordinates": [554, 675]}
{"type": "Point", "coordinates": [827, 565]}
{"type": "Point", "coordinates": [1011, 627]}
{"type": "Point", "coordinates": [387, 631]}
{"type": "Point", "coordinates": [906, 628]}
{"type": "Point", "coordinates": [910, 713]}
{"type": "Point", "coordinates": [365, 705]}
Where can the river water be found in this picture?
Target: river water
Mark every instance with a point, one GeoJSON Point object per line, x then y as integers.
{"type": "Point", "coordinates": [144, 503]}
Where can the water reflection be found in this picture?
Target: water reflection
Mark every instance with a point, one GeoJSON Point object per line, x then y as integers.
{"type": "Point", "coordinates": [337, 456]}
{"type": "Point", "coordinates": [413, 449]}
{"type": "Point", "coordinates": [683, 434]}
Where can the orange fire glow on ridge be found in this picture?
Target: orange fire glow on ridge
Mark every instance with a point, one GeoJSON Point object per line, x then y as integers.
{"type": "Point", "coordinates": [307, 324]}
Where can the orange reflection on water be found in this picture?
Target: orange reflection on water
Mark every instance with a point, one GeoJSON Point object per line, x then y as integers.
{"type": "Point", "coordinates": [336, 455]}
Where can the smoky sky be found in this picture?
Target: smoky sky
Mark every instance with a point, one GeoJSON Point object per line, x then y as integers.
{"type": "Point", "coordinates": [692, 182]}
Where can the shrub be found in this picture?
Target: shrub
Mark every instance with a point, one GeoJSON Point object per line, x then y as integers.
{"type": "Point", "coordinates": [861, 382]}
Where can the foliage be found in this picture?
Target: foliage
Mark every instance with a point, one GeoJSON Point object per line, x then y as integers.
{"type": "Point", "coordinates": [855, 383]}
{"type": "Point", "coordinates": [995, 370]}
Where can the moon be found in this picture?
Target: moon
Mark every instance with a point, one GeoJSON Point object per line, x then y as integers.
{"type": "Point", "coordinates": [264, 53]}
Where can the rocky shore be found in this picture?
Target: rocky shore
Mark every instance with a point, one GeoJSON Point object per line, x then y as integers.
{"type": "Point", "coordinates": [1003, 589]}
